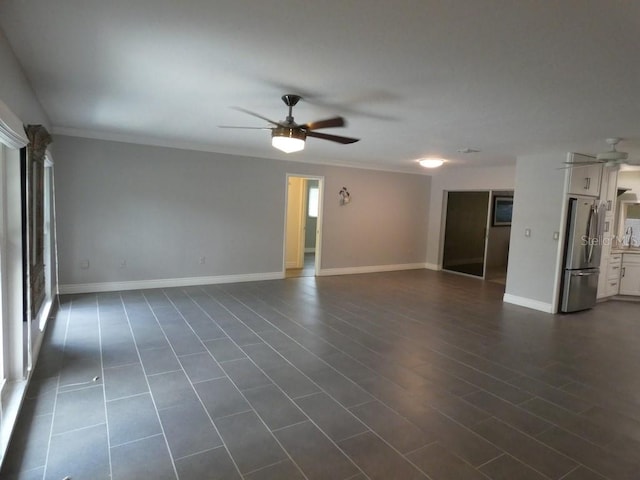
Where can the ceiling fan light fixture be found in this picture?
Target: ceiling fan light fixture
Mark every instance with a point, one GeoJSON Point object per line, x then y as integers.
{"type": "Point", "coordinates": [288, 140]}
{"type": "Point", "coordinates": [431, 162]}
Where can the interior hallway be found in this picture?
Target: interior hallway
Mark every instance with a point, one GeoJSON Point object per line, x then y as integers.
{"type": "Point", "coordinates": [414, 374]}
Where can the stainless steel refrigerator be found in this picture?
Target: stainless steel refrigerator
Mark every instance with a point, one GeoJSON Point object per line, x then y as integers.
{"type": "Point", "coordinates": [582, 256]}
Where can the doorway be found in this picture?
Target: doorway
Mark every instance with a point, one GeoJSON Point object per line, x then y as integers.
{"type": "Point", "coordinates": [303, 220]}
{"type": "Point", "coordinates": [477, 232]}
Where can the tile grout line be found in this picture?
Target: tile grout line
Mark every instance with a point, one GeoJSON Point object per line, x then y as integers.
{"type": "Point", "coordinates": [376, 398]}
{"type": "Point", "coordinates": [104, 388]}
{"type": "Point", "coordinates": [55, 402]}
{"type": "Point", "coordinates": [233, 383]}
{"type": "Point", "coordinates": [328, 394]}
{"type": "Point", "coordinates": [260, 289]}
{"type": "Point", "coordinates": [438, 410]}
{"type": "Point", "coordinates": [320, 387]}
{"type": "Point", "coordinates": [309, 419]}
{"type": "Point", "coordinates": [155, 407]}
{"type": "Point", "coordinates": [224, 444]}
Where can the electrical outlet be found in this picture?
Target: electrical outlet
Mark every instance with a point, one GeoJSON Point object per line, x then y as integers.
{"type": "Point", "coordinates": [84, 264]}
{"type": "Point", "coordinates": [123, 263]}
{"type": "Point", "coordinates": [527, 232]}
{"type": "Point", "coordinates": [202, 260]}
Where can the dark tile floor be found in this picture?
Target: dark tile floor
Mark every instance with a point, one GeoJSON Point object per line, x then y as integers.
{"type": "Point", "coordinates": [401, 375]}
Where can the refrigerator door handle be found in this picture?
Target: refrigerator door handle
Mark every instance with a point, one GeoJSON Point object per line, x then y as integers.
{"type": "Point", "coordinates": [588, 250]}
{"type": "Point", "coordinates": [591, 239]}
{"type": "Point", "coordinates": [583, 274]}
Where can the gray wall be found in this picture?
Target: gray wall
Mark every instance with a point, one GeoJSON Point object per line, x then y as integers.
{"type": "Point", "coordinates": [464, 178]}
{"type": "Point", "coordinates": [15, 90]}
{"type": "Point", "coordinates": [540, 205]}
{"type": "Point", "coordinates": [161, 209]}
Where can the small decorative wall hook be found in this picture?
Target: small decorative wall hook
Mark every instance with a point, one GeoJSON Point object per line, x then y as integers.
{"type": "Point", "coordinates": [345, 196]}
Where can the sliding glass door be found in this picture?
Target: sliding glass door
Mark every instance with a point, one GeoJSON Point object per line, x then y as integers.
{"type": "Point", "coordinates": [466, 232]}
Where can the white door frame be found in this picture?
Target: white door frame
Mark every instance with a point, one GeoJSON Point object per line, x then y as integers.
{"type": "Point", "coordinates": [318, 250]}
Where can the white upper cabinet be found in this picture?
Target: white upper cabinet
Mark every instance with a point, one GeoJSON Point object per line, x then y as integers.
{"type": "Point", "coordinates": [584, 180]}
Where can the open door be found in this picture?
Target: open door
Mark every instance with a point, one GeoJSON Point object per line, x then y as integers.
{"type": "Point", "coordinates": [466, 232]}
{"type": "Point", "coordinates": [303, 226]}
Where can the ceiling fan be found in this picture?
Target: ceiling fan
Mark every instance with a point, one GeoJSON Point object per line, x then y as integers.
{"type": "Point", "coordinates": [610, 158]}
{"type": "Point", "coordinates": [288, 136]}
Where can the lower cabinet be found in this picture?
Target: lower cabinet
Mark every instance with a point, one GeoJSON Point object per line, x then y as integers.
{"type": "Point", "coordinates": [630, 274]}
{"type": "Point", "coordinates": [610, 276]}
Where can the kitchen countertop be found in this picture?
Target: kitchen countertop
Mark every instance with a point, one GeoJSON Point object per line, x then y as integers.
{"type": "Point", "coordinates": [635, 250]}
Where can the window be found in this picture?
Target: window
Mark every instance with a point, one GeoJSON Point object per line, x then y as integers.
{"type": "Point", "coordinates": [313, 202]}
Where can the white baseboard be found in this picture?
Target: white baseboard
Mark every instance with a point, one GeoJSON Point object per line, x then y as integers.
{"type": "Point", "coordinates": [433, 266]}
{"type": "Point", "coordinates": [166, 283]}
{"type": "Point", "coordinates": [528, 303]}
{"type": "Point", "coordinates": [325, 272]}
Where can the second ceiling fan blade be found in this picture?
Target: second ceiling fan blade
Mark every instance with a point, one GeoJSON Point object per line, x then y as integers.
{"type": "Point", "coordinates": [249, 112]}
{"type": "Point", "coordinates": [583, 164]}
{"type": "Point", "coordinates": [333, 138]}
{"type": "Point", "coordinates": [244, 128]}
{"type": "Point", "coordinates": [327, 123]}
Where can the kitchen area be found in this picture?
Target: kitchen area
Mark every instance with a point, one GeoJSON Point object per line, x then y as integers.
{"type": "Point", "coordinates": [620, 259]}
{"type": "Point", "coordinates": [602, 237]}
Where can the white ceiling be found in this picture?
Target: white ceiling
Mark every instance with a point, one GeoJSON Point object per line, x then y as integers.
{"type": "Point", "coordinates": [412, 77]}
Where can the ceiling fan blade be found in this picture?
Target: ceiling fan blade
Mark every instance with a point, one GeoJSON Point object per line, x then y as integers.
{"type": "Point", "coordinates": [578, 164]}
{"type": "Point", "coordinates": [583, 164]}
{"type": "Point", "coordinates": [327, 123]}
{"type": "Point", "coordinates": [246, 128]}
{"type": "Point", "coordinates": [333, 138]}
{"type": "Point", "coordinates": [249, 112]}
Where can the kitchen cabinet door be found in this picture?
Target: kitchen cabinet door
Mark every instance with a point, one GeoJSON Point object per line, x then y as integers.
{"type": "Point", "coordinates": [585, 180]}
{"type": "Point", "coordinates": [630, 278]}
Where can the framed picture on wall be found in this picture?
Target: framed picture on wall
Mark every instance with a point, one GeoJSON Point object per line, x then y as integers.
{"type": "Point", "coordinates": [502, 210]}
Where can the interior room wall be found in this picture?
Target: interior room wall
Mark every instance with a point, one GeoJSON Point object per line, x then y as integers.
{"type": "Point", "coordinates": [462, 178]}
{"type": "Point", "coordinates": [539, 206]}
{"type": "Point", "coordinates": [630, 179]}
{"type": "Point", "coordinates": [15, 90]}
{"type": "Point", "coordinates": [140, 213]}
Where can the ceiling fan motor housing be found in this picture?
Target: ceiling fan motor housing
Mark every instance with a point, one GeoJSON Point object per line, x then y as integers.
{"type": "Point", "coordinates": [291, 132]}
{"type": "Point", "coordinates": [291, 100]}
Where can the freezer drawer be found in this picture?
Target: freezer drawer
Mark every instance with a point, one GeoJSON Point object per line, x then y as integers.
{"type": "Point", "coordinates": [580, 289]}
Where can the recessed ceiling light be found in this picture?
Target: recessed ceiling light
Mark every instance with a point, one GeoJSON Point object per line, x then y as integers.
{"type": "Point", "coordinates": [431, 162]}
